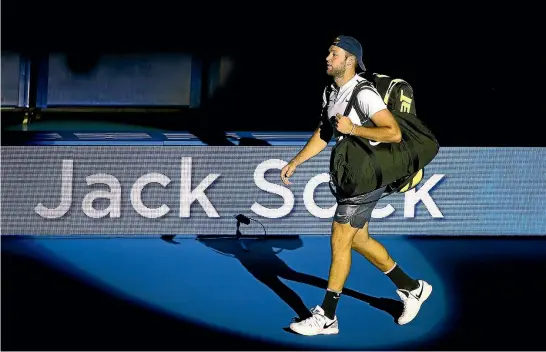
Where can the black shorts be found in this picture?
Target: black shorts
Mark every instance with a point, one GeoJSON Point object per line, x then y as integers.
{"type": "Point", "coordinates": [357, 211]}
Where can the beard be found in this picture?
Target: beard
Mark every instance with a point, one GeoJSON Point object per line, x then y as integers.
{"type": "Point", "coordinates": [336, 72]}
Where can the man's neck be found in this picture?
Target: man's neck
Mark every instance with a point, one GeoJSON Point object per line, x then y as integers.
{"type": "Point", "coordinates": [347, 76]}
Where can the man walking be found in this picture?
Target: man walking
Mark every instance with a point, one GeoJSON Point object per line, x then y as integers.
{"type": "Point", "coordinates": [350, 223]}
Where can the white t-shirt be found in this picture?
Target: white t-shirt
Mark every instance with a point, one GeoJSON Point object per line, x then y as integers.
{"type": "Point", "coordinates": [368, 99]}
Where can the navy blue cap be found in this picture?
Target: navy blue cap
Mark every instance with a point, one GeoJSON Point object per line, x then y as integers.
{"type": "Point", "coordinates": [352, 46]}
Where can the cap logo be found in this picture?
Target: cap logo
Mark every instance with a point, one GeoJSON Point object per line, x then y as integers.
{"type": "Point", "coordinates": [336, 40]}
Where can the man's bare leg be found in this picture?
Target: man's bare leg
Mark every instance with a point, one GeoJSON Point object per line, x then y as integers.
{"type": "Point", "coordinates": [378, 255]}
{"type": "Point", "coordinates": [374, 251]}
{"type": "Point", "coordinates": [412, 292]}
{"type": "Point", "coordinates": [323, 319]}
{"type": "Point", "coordinates": [340, 243]}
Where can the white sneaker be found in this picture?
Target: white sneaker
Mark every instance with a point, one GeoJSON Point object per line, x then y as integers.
{"type": "Point", "coordinates": [317, 324]}
{"type": "Point", "coordinates": [413, 300]}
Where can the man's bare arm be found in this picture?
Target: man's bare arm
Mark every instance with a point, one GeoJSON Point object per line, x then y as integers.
{"type": "Point", "coordinates": [386, 128]}
{"type": "Point", "coordinates": [314, 145]}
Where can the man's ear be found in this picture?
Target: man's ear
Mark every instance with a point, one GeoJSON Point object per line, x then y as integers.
{"type": "Point", "coordinates": [351, 60]}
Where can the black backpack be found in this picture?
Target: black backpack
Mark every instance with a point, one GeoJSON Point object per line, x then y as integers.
{"type": "Point", "coordinates": [358, 166]}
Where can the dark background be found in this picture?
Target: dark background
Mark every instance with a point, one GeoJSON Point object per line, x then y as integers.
{"type": "Point", "coordinates": [477, 73]}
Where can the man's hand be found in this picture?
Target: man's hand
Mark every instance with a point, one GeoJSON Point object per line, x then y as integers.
{"type": "Point", "coordinates": [287, 171]}
{"type": "Point", "coordinates": [343, 124]}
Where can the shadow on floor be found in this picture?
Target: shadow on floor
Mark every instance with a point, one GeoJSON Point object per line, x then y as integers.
{"type": "Point", "coordinates": [46, 309]}
{"type": "Point", "coordinates": [263, 263]}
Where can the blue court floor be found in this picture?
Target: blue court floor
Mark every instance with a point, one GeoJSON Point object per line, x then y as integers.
{"type": "Point", "coordinates": [199, 293]}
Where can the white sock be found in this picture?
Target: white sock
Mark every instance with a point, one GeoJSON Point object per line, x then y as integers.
{"type": "Point", "coordinates": [388, 271]}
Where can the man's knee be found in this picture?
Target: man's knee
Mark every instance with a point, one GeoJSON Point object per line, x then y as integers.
{"type": "Point", "coordinates": [342, 236]}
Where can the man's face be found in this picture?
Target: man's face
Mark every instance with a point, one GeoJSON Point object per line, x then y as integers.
{"type": "Point", "coordinates": [336, 62]}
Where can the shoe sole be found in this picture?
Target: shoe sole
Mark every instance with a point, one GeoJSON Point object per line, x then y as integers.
{"type": "Point", "coordinates": [320, 332]}
{"type": "Point", "coordinates": [427, 291]}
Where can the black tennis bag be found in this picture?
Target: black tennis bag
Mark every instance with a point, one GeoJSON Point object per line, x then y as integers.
{"type": "Point", "coordinates": [359, 166]}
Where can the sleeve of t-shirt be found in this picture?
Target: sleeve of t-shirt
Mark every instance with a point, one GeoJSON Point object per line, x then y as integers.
{"type": "Point", "coordinates": [370, 102]}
